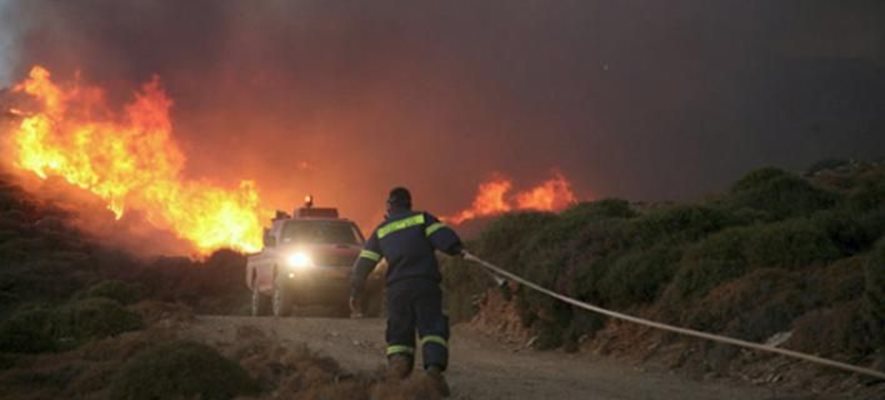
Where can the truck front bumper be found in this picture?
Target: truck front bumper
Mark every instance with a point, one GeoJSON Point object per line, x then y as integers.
{"type": "Point", "coordinates": [322, 285]}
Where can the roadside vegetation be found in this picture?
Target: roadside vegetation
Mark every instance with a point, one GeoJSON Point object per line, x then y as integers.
{"type": "Point", "coordinates": [73, 311]}
{"type": "Point", "coordinates": [81, 320]}
{"type": "Point", "coordinates": [797, 260]}
{"type": "Point", "coordinates": [800, 255]}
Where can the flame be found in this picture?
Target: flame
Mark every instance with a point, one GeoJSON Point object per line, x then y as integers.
{"type": "Point", "coordinates": [489, 201]}
{"type": "Point", "coordinates": [554, 194]}
{"type": "Point", "coordinates": [492, 198]}
{"type": "Point", "coordinates": [131, 161]}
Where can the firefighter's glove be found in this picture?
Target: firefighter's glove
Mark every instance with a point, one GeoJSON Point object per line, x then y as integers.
{"type": "Point", "coordinates": [458, 251]}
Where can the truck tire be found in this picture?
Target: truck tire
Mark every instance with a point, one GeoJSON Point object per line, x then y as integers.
{"type": "Point", "coordinates": [260, 302]}
{"type": "Point", "coordinates": [282, 300]}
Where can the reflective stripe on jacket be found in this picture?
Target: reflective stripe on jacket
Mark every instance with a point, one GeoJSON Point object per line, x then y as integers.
{"type": "Point", "coordinates": [407, 239]}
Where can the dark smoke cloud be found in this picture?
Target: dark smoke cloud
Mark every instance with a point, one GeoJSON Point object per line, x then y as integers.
{"type": "Point", "coordinates": [640, 99]}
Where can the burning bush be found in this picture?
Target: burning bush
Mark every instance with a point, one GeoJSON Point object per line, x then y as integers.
{"type": "Point", "coordinates": [181, 369]}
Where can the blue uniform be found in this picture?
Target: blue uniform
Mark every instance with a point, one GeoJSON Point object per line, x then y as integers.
{"type": "Point", "coordinates": [408, 239]}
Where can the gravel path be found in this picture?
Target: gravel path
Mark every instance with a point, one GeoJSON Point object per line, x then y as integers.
{"type": "Point", "coordinates": [484, 369]}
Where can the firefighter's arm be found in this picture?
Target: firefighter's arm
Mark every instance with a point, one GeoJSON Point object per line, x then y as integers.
{"type": "Point", "coordinates": [363, 266]}
{"type": "Point", "coordinates": [442, 237]}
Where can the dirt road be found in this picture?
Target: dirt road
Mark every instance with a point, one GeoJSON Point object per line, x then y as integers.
{"type": "Point", "coordinates": [484, 369]}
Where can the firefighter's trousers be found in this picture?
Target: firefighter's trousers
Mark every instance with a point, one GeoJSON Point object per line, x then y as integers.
{"type": "Point", "coordinates": [417, 304]}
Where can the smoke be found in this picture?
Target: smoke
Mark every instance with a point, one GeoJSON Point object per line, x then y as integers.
{"type": "Point", "coordinates": [7, 37]}
{"type": "Point", "coordinates": [644, 100]}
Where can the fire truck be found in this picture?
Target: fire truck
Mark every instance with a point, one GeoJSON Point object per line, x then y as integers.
{"type": "Point", "coordinates": [306, 261]}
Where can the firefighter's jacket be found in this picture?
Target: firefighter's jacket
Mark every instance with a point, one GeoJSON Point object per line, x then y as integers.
{"type": "Point", "coordinates": [407, 239]}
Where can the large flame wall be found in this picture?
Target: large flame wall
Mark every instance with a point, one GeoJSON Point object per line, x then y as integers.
{"type": "Point", "coordinates": [131, 160]}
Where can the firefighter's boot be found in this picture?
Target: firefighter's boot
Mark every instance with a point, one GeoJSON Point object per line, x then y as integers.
{"type": "Point", "coordinates": [399, 367]}
{"type": "Point", "coordinates": [438, 381]}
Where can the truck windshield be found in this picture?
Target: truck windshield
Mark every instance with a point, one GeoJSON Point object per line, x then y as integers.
{"type": "Point", "coordinates": [321, 232]}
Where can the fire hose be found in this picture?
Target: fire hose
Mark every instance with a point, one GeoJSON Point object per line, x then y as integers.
{"type": "Point", "coordinates": [675, 329]}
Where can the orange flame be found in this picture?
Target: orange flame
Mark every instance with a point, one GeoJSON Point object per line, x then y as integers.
{"type": "Point", "coordinates": [492, 198]}
{"type": "Point", "coordinates": [554, 194]}
{"type": "Point", "coordinates": [131, 161]}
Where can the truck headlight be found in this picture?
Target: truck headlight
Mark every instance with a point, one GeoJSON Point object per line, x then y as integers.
{"type": "Point", "coordinates": [299, 260]}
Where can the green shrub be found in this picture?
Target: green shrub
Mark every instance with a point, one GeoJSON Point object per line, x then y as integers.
{"type": "Point", "coordinates": [869, 192]}
{"type": "Point", "coordinates": [839, 329]}
{"type": "Point", "coordinates": [766, 318]}
{"type": "Point", "coordinates": [638, 276]}
{"type": "Point", "coordinates": [873, 222]}
{"type": "Point", "coordinates": [545, 252]}
{"type": "Point", "coordinates": [825, 165]}
{"type": "Point", "coordinates": [754, 306]}
{"type": "Point", "coordinates": [790, 244]}
{"type": "Point", "coordinates": [181, 369]}
{"type": "Point", "coordinates": [501, 242]}
{"type": "Point", "coordinates": [716, 259]}
{"type": "Point", "coordinates": [463, 282]}
{"type": "Point", "coordinates": [605, 208]}
{"type": "Point", "coordinates": [551, 251]}
{"type": "Point", "coordinates": [93, 318]}
{"type": "Point", "coordinates": [601, 238]}
{"type": "Point", "coordinates": [111, 289]}
{"type": "Point", "coordinates": [549, 335]}
{"type": "Point", "coordinates": [874, 293]}
{"type": "Point", "coordinates": [8, 361]}
{"type": "Point", "coordinates": [544, 260]}
{"type": "Point", "coordinates": [27, 331]}
{"type": "Point", "coordinates": [850, 232]}
{"type": "Point", "coordinates": [758, 178]}
{"type": "Point", "coordinates": [779, 194]}
{"type": "Point", "coordinates": [750, 216]}
{"type": "Point", "coordinates": [595, 248]}
{"type": "Point", "coordinates": [840, 281]}
{"type": "Point", "coordinates": [503, 239]}
{"type": "Point", "coordinates": [679, 224]}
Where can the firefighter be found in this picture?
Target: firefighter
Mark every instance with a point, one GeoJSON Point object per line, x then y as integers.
{"type": "Point", "coordinates": [408, 239]}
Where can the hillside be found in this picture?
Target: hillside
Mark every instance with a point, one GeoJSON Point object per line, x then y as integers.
{"type": "Point", "coordinates": [80, 319]}
{"type": "Point", "coordinates": [45, 259]}
{"type": "Point", "coordinates": [780, 257]}
{"type": "Point", "coordinates": [795, 259]}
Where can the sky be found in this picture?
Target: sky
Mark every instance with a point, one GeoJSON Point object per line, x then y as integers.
{"type": "Point", "coordinates": [645, 100]}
